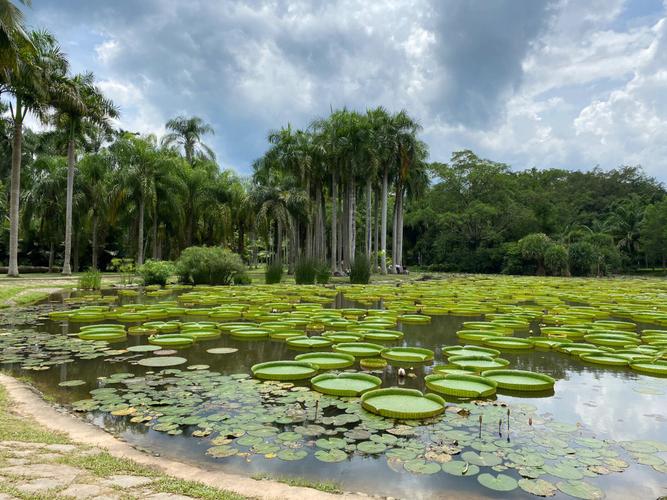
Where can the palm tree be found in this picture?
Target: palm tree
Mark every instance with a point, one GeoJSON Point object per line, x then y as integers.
{"type": "Point", "coordinates": [14, 41]}
{"type": "Point", "coordinates": [136, 178]}
{"type": "Point", "coordinates": [187, 133]}
{"type": "Point", "coordinates": [95, 170]}
{"type": "Point", "coordinates": [40, 68]}
{"type": "Point", "coordinates": [79, 105]}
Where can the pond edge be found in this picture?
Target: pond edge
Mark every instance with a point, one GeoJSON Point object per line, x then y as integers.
{"type": "Point", "coordinates": [27, 402]}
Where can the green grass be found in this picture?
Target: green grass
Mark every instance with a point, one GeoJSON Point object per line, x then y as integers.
{"type": "Point", "coordinates": [325, 486]}
{"type": "Point", "coordinates": [13, 428]}
{"type": "Point", "coordinates": [193, 489]}
{"type": "Point", "coordinates": [103, 465]}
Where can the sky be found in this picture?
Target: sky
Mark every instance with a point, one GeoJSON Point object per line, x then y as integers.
{"type": "Point", "coordinates": [532, 83]}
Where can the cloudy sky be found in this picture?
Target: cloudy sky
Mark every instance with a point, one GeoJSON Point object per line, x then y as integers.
{"type": "Point", "coordinates": [560, 83]}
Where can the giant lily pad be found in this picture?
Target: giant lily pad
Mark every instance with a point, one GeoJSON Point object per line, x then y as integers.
{"type": "Point", "coordinates": [402, 403]}
{"type": "Point", "coordinates": [462, 386]}
{"type": "Point", "coordinates": [284, 370]}
{"type": "Point", "coordinates": [327, 360]}
{"type": "Point", "coordinates": [520, 380]}
{"type": "Point", "coordinates": [359, 349]}
{"type": "Point", "coordinates": [408, 354]}
{"type": "Point", "coordinates": [345, 384]}
{"type": "Point", "coordinates": [478, 362]}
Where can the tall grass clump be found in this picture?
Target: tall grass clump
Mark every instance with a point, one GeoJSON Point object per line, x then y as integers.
{"type": "Point", "coordinates": [274, 273]}
{"type": "Point", "coordinates": [323, 273]}
{"type": "Point", "coordinates": [305, 271]}
{"type": "Point", "coordinates": [360, 270]}
{"type": "Point", "coordinates": [90, 280]}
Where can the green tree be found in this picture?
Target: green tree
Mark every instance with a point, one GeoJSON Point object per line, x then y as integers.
{"type": "Point", "coordinates": [79, 105]}
{"type": "Point", "coordinates": [40, 69]}
{"type": "Point", "coordinates": [187, 133]}
{"type": "Point", "coordinates": [534, 247]}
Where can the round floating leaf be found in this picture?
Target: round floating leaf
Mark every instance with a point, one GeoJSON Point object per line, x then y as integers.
{"type": "Point", "coordinates": [284, 370]}
{"type": "Point", "coordinates": [292, 455]}
{"type": "Point", "coordinates": [483, 459]}
{"type": "Point", "coordinates": [421, 467]}
{"type": "Point", "coordinates": [345, 384]}
{"type": "Point", "coordinates": [402, 403]}
{"type": "Point", "coordinates": [222, 451]}
{"type": "Point", "coordinates": [371, 447]}
{"type": "Point", "coordinates": [143, 348]}
{"type": "Point", "coordinates": [330, 456]}
{"type": "Point", "coordinates": [460, 468]}
{"type": "Point", "coordinates": [563, 471]}
{"type": "Point", "coordinates": [72, 383]}
{"type": "Point", "coordinates": [331, 443]}
{"type": "Point", "coordinates": [222, 350]}
{"type": "Point", "coordinates": [520, 380]}
{"type": "Point", "coordinates": [538, 487]}
{"type": "Point", "coordinates": [162, 361]}
{"type": "Point", "coordinates": [580, 489]}
{"type": "Point", "coordinates": [501, 482]}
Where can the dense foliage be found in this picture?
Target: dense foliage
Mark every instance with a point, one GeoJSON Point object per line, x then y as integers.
{"type": "Point", "coordinates": [156, 272]}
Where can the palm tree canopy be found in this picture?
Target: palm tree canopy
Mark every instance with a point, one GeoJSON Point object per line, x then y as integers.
{"type": "Point", "coordinates": [187, 133]}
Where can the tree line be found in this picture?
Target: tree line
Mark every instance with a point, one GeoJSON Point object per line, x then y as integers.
{"type": "Point", "coordinates": [349, 186]}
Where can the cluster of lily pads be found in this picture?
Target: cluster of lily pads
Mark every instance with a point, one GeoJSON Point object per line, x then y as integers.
{"type": "Point", "coordinates": [345, 414]}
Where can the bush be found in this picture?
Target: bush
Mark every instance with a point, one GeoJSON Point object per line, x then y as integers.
{"type": "Point", "coordinates": [556, 260]}
{"type": "Point", "coordinates": [360, 270]}
{"type": "Point", "coordinates": [242, 279]}
{"type": "Point", "coordinates": [156, 272]}
{"type": "Point", "coordinates": [533, 247]}
{"type": "Point", "coordinates": [208, 266]}
{"type": "Point", "coordinates": [582, 258]}
{"type": "Point", "coordinates": [323, 273]}
{"type": "Point", "coordinates": [90, 280]}
{"type": "Point", "coordinates": [305, 271]}
{"type": "Point", "coordinates": [274, 273]}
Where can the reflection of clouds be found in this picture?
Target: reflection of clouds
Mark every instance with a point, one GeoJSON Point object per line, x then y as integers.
{"type": "Point", "coordinates": [620, 412]}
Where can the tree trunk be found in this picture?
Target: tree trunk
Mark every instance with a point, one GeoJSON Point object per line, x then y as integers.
{"type": "Point", "coordinates": [369, 218]}
{"type": "Point", "coordinates": [75, 251]}
{"type": "Point", "coordinates": [398, 259]}
{"type": "Point", "coordinates": [67, 268]}
{"type": "Point", "coordinates": [376, 247]}
{"type": "Point", "coordinates": [52, 252]}
{"type": "Point", "coordinates": [279, 242]}
{"type": "Point", "coordinates": [334, 222]}
{"type": "Point", "coordinates": [241, 243]}
{"type": "Point", "coordinates": [17, 142]}
{"type": "Point", "coordinates": [154, 235]}
{"type": "Point", "coordinates": [140, 237]}
{"type": "Point", "coordinates": [383, 232]}
{"type": "Point", "coordinates": [346, 225]}
{"type": "Point", "coordinates": [393, 238]}
{"type": "Point", "coordinates": [93, 250]}
{"type": "Point", "coordinates": [353, 219]}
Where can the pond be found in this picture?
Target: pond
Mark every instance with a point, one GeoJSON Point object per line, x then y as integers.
{"type": "Point", "coordinates": [600, 430]}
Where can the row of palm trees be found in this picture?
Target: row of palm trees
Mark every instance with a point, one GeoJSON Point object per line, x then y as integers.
{"type": "Point", "coordinates": [34, 74]}
{"type": "Point", "coordinates": [347, 164]}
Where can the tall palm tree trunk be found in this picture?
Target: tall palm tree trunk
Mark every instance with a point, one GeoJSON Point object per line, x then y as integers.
{"type": "Point", "coordinates": [369, 218]}
{"type": "Point", "coordinates": [93, 249]}
{"type": "Point", "coordinates": [393, 238]}
{"type": "Point", "coordinates": [376, 246]}
{"type": "Point", "coordinates": [15, 190]}
{"type": "Point", "coordinates": [140, 236]}
{"type": "Point", "coordinates": [383, 232]}
{"type": "Point", "coordinates": [334, 222]}
{"type": "Point", "coordinates": [154, 237]}
{"type": "Point", "coordinates": [398, 259]}
{"type": "Point", "coordinates": [67, 266]}
{"type": "Point", "coordinates": [353, 219]}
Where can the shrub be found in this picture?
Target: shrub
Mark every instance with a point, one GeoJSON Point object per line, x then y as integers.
{"type": "Point", "coordinates": [156, 272]}
{"type": "Point", "coordinates": [90, 280]}
{"type": "Point", "coordinates": [582, 258]}
{"type": "Point", "coordinates": [208, 266]}
{"type": "Point", "coordinates": [305, 271]}
{"type": "Point", "coordinates": [274, 273]}
{"type": "Point", "coordinates": [556, 260]}
{"type": "Point", "coordinates": [242, 279]}
{"type": "Point", "coordinates": [126, 269]}
{"type": "Point", "coordinates": [323, 273]}
{"type": "Point", "coordinates": [360, 270]}
{"type": "Point", "coordinates": [532, 248]}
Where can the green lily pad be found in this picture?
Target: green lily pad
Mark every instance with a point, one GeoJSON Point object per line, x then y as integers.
{"type": "Point", "coordinates": [222, 350]}
{"type": "Point", "coordinates": [371, 447]}
{"type": "Point", "coordinates": [421, 467]}
{"type": "Point", "coordinates": [222, 451]}
{"type": "Point", "coordinates": [162, 362]}
{"type": "Point", "coordinates": [460, 468]}
{"type": "Point", "coordinates": [144, 348]}
{"type": "Point", "coordinates": [292, 455]}
{"type": "Point", "coordinates": [538, 487]}
{"type": "Point", "coordinates": [72, 383]}
{"type": "Point", "coordinates": [483, 459]}
{"type": "Point", "coordinates": [501, 482]}
{"type": "Point", "coordinates": [331, 456]}
{"type": "Point", "coordinates": [563, 471]}
{"type": "Point", "coordinates": [580, 489]}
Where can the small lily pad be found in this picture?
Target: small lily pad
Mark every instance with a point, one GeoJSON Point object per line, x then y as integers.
{"type": "Point", "coordinates": [421, 467]}
{"type": "Point", "coordinates": [538, 487]}
{"type": "Point", "coordinates": [292, 455]}
{"type": "Point", "coordinates": [222, 350]}
{"type": "Point", "coordinates": [162, 362]}
{"type": "Point", "coordinates": [501, 482]}
{"type": "Point", "coordinates": [580, 489]}
{"type": "Point", "coordinates": [72, 383]}
{"type": "Point", "coordinates": [460, 468]}
{"type": "Point", "coordinates": [330, 456]}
